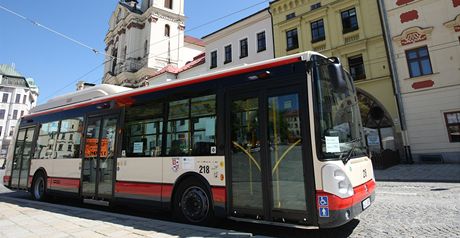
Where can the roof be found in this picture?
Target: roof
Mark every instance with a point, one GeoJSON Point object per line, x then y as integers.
{"type": "Point", "coordinates": [241, 20]}
{"type": "Point", "coordinates": [6, 69]}
{"type": "Point", "coordinates": [197, 60]}
{"type": "Point", "coordinates": [195, 41]}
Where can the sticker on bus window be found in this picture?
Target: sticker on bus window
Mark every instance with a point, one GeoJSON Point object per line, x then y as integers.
{"type": "Point", "coordinates": [213, 150]}
{"type": "Point", "coordinates": [188, 163]}
{"type": "Point", "coordinates": [138, 147]}
{"type": "Point", "coordinates": [332, 144]}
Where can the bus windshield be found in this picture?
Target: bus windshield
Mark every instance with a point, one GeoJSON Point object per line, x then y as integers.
{"type": "Point", "coordinates": [338, 117]}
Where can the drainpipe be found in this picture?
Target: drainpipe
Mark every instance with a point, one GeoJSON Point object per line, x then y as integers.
{"type": "Point", "coordinates": [394, 76]}
{"type": "Point", "coordinates": [273, 31]}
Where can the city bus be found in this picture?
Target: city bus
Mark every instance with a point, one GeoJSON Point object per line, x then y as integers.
{"type": "Point", "coordinates": [277, 142]}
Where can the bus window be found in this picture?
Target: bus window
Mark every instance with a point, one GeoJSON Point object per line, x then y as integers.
{"type": "Point", "coordinates": [143, 130]}
{"type": "Point", "coordinates": [69, 138]}
{"type": "Point", "coordinates": [204, 125]}
{"type": "Point", "coordinates": [46, 141]}
{"type": "Point", "coordinates": [178, 141]}
{"type": "Point", "coordinates": [192, 126]}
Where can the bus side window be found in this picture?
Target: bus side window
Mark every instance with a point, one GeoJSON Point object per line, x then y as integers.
{"type": "Point", "coordinates": [192, 126]}
{"type": "Point", "coordinates": [143, 130]}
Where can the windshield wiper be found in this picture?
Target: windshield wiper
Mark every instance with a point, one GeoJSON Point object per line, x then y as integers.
{"type": "Point", "coordinates": [350, 152]}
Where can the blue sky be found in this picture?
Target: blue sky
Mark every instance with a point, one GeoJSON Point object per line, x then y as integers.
{"type": "Point", "coordinates": [54, 62]}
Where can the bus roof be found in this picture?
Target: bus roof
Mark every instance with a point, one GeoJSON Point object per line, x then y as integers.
{"type": "Point", "coordinates": [105, 92]}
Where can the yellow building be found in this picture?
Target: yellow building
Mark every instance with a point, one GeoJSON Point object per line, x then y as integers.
{"type": "Point", "coordinates": [350, 30]}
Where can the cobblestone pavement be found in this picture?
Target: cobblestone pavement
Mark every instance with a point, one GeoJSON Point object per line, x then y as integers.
{"type": "Point", "coordinates": [412, 210]}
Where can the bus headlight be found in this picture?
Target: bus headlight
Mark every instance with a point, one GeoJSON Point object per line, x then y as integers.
{"type": "Point", "coordinates": [336, 182]}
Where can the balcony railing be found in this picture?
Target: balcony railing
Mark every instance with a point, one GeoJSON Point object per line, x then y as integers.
{"type": "Point", "coordinates": [131, 65]}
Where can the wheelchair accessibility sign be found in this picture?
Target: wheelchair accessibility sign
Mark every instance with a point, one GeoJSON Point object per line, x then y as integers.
{"type": "Point", "coordinates": [323, 201]}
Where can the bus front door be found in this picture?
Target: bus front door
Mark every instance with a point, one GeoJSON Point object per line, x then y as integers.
{"type": "Point", "coordinates": [99, 157]}
{"type": "Point", "coordinates": [267, 139]}
{"type": "Point", "coordinates": [21, 159]}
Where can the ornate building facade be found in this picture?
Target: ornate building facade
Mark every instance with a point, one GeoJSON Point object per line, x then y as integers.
{"type": "Point", "coordinates": [424, 38]}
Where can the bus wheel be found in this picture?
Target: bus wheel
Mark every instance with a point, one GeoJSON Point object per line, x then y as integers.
{"type": "Point", "coordinates": [39, 187]}
{"type": "Point", "coordinates": [192, 203]}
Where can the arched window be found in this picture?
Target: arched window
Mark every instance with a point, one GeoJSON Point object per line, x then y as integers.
{"type": "Point", "coordinates": [146, 48]}
{"type": "Point", "coordinates": [124, 52]}
{"type": "Point", "coordinates": [167, 29]}
{"type": "Point", "coordinates": [168, 4]}
{"type": "Point", "coordinates": [114, 59]}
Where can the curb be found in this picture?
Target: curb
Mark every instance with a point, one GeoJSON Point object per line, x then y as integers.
{"type": "Point", "coordinates": [419, 180]}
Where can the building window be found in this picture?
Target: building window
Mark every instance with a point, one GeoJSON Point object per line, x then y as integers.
{"type": "Point", "coordinates": [15, 114]}
{"type": "Point", "coordinates": [114, 59]}
{"type": "Point", "coordinates": [317, 31]}
{"type": "Point", "coordinates": [22, 113]}
{"type": "Point", "coordinates": [2, 114]}
{"type": "Point", "coordinates": [292, 41]}
{"type": "Point", "coordinates": [290, 16]}
{"type": "Point", "coordinates": [5, 98]}
{"type": "Point", "coordinates": [168, 4]}
{"type": "Point", "coordinates": [261, 43]}
{"type": "Point", "coordinates": [1, 130]}
{"type": "Point", "coordinates": [214, 59]}
{"type": "Point", "coordinates": [18, 98]}
{"type": "Point", "coordinates": [24, 99]}
{"type": "Point", "coordinates": [453, 125]}
{"type": "Point", "coordinates": [125, 49]}
{"type": "Point", "coordinates": [146, 48]}
{"type": "Point", "coordinates": [243, 48]}
{"type": "Point", "coordinates": [167, 29]}
{"type": "Point", "coordinates": [419, 62]}
{"type": "Point", "coordinates": [11, 131]}
{"type": "Point", "coordinates": [357, 67]}
{"type": "Point", "coordinates": [349, 20]}
{"type": "Point", "coordinates": [315, 6]}
{"type": "Point", "coordinates": [228, 54]}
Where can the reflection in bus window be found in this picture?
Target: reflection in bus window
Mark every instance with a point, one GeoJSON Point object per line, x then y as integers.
{"type": "Point", "coordinates": [69, 138]}
{"type": "Point", "coordinates": [46, 141]}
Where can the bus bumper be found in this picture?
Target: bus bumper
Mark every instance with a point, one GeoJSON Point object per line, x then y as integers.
{"type": "Point", "coordinates": [340, 211]}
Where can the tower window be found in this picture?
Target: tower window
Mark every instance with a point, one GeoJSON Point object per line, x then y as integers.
{"type": "Point", "coordinates": [168, 4]}
{"type": "Point", "coordinates": [167, 30]}
{"type": "Point", "coordinates": [146, 48]}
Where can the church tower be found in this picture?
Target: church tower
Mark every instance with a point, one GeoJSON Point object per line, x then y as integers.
{"type": "Point", "coordinates": [143, 38]}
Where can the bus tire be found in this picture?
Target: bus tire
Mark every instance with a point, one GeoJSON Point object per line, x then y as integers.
{"type": "Point", "coordinates": [39, 187]}
{"type": "Point", "coordinates": [192, 203]}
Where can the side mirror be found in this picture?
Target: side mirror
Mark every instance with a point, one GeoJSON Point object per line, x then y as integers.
{"type": "Point", "coordinates": [337, 74]}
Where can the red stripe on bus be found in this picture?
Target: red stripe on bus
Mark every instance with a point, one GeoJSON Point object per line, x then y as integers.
{"type": "Point", "coordinates": [124, 97]}
{"type": "Point", "coordinates": [337, 203]}
{"type": "Point", "coordinates": [219, 194]}
{"type": "Point", "coordinates": [135, 188]}
{"type": "Point", "coordinates": [167, 191]}
{"type": "Point", "coordinates": [65, 183]}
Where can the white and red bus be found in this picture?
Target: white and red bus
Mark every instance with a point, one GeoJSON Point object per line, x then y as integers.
{"type": "Point", "coordinates": [277, 142]}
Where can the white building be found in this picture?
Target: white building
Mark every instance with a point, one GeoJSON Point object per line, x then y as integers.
{"type": "Point", "coordinates": [144, 39]}
{"type": "Point", "coordinates": [246, 41]}
{"type": "Point", "coordinates": [424, 38]}
{"type": "Point", "coordinates": [18, 95]}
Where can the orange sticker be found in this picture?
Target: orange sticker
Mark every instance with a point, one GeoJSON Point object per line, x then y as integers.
{"type": "Point", "coordinates": [91, 147]}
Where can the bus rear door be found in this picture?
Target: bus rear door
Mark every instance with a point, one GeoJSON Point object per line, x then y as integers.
{"type": "Point", "coordinates": [21, 158]}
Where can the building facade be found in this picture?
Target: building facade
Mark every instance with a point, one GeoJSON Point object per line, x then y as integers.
{"type": "Point", "coordinates": [350, 30]}
{"type": "Point", "coordinates": [424, 38]}
{"type": "Point", "coordinates": [246, 41]}
{"type": "Point", "coordinates": [18, 96]}
{"type": "Point", "coordinates": [144, 38]}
